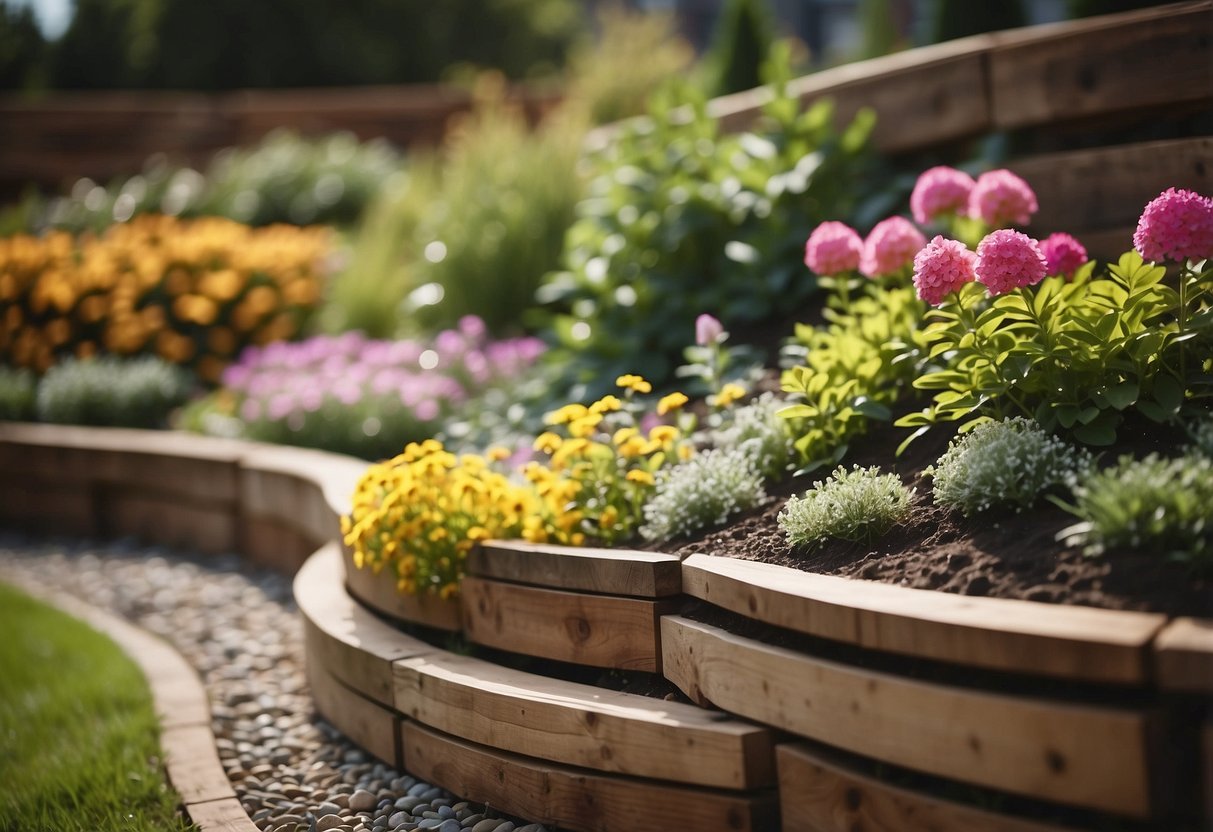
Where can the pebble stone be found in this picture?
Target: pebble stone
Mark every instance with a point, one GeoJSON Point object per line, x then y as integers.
{"type": "Point", "coordinates": [239, 627]}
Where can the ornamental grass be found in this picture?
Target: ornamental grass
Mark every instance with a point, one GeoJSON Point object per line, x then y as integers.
{"type": "Point", "coordinates": [193, 292]}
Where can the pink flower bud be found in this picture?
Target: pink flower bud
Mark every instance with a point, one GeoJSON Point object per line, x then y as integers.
{"type": "Point", "coordinates": [940, 191]}
{"type": "Point", "coordinates": [708, 330]}
{"type": "Point", "coordinates": [1063, 254]}
{"type": "Point", "coordinates": [1000, 198]}
{"type": "Point", "coordinates": [890, 247]}
{"type": "Point", "coordinates": [833, 248]}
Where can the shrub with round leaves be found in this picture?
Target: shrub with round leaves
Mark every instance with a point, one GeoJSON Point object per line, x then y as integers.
{"type": "Point", "coordinates": [1011, 462]}
{"type": "Point", "coordinates": [857, 505]}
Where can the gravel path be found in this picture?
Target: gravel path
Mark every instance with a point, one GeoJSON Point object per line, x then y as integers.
{"type": "Point", "coordinates": [240, 629]}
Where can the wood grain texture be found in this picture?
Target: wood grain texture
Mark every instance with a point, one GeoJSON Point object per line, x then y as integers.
{"type": "Point", "coordinates": [1000, 634]}
{"type": "Point", "coordinates": [582, 725]}
{"type": "Point", "coordinates": [366, 723]}
{"type": "Point", "coordinates": [343, 638]}
{"type": "Point", "coordinates": [33, 503]}
{"type": "Point", "coordinates": [221, 816]}
{"type": "Point", "coordinates": [584, 569]}
{"type": "Point", "coordinates": [167, 519]}
{"type": "Point", "coordinates": [193, 764]}
{"type": "Point", "coordinates": [273, 544]}
{"type": "Point", "coordinates": [1088, 756]}
{"type": "Point", "coordinates": [817, 794]}
{"type": "Point", "coordinates": [1183, 655]}
{"type": "Point", "coordinates": [1101, 65]}
{"type": "Point", "coordinates": [576, 799]}
{"type": "Point", "coordinates": [1107, 187]}
{"type": "Point", "coordinates": [598, 630]}
{"type": "Point", "coordinates": [377, 590]}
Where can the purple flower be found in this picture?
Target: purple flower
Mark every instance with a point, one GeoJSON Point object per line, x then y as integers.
{"type": "Point", "coordinates": [941, 268]}
{"type": "Point", "coordinates": [1001, 198]}
{"type": "Point", "coordinates": [1008, 259]}
{"type": "Point", "coordinates": [833, 248]}
{"type": "Point", "coordinates": [1177, 225]}
{"type": "Point", "coordinates": [1063, 254]}
{"type": "Point", "coordinates": [708, 330]}
{"type": "Point", "coordinates": [890, 247]}
{"type": "Point", "coordinates": [940, 191]}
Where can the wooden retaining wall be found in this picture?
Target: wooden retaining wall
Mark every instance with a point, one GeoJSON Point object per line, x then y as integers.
{"type": "Point", "coordinates": [816, 703]}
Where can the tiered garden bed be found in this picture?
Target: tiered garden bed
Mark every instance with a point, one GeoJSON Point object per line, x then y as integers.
{"type": "Point", "coordinates": [826, 701]}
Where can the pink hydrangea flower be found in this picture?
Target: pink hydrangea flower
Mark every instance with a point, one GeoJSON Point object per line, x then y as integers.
{"type": "Point", "coordinates": [940, 191]}
{"type": "Point", "coordinates": [941, 268]}
{"type": "Point", "coordinates": [1000, 198]}
{"type": "Point", "coordinates": [890, 246]}
{"type": "Point", "coordinates": [1008, 259]}
{"type": "Point", "coordinates": [1176, 225]}
{"type": "Point", "coordinates": [833, 248]}
{"type": "Point", "coordinates": [1063, 254]}
{"type": "Point", "coordinates": [708, 330]}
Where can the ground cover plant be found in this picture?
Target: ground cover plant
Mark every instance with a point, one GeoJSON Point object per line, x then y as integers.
{"type": "Point", "coordinates": [80, 735]}
{"type": "Point", "coordinates": [108, 391]}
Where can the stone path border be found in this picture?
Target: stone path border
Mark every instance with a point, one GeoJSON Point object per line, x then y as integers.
{"type": "Point", "coordinates": [191, 760]}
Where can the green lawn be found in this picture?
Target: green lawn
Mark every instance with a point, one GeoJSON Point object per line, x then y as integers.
{"type": "Point", "coordinates": [79, 742]}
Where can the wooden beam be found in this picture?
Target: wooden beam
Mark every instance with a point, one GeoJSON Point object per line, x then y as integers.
{"type": "Point", "coordinates": [1067, 71]}
{"type": "Point", "coordinates": [582, 725]}
{"type": "Point", "coordinates": [818, 794]}
{"type": "Point", "coordinates": [366, 723]}
{"type": "Point", "coordinates": [597, 630]}
{"type": "Point", "coordinates": [576, 799]}
{"type": "Point", "coordinates": [1183, 654]}
{"type": "Point", "coordinates": [1000, 634]}
{"type": "Point", "coordinates": [584, 569]}
{"type": "Point", "coordinates": [1088, 756]}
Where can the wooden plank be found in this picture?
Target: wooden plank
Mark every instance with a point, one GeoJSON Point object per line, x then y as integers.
{"type": "Point", "coordinates": [1183, 655]}
{"type": "Point", "coordinates": [343, 638]}
{"type": "Point", "coordinates": [366, 723]}
{"type": "Point", "coordinates": [575, 799]}
{"type": "Point", "coordinates": [1102, 65]}
{"type": "Point", "coordinates": [193, 764]}
{"type": "Point", "coordinates": [1001, 634]}
{"type": "Point", "coordinates": [598, 630]}
{"type": "Point", "coordinates": [1107, 187]}
{"type": "Point", "coordinates": [28, 502]}
{"type": "Point", "coordinates": [1088, 756]}
{"type": "Point", "coordinates": [307, 487]}
{"type": "Point", "coordinates": [273, 544]}
{"type": "Point", "coordinates": [583, 569]}
{"type": "Point", "coordinates": [582, 725]}
{"type": "Point", "coordinates": [817, 794]}
{"type": "Point", "coordinates": [168, 521]}
{"type": "Point", "coordinates": [221, 816]}
{"type": "Point", "coordinates": [377, 590]}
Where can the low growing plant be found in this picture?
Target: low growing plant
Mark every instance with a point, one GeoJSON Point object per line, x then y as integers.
{"type": "Point", "coordinates": [18, 389]}
{"type": "Point", "coordinates": [757, 429]}
{"type": "Point", "coordinates": [706, 490]}
{"type": "Point", "coordinates": [108, 391]}
{"type": "Point", "coordinates": [1011, 462]}
{"type": "Point", "coordinates": [1157, 504]}
{"type": "Point", "coordinates": [857, 505]}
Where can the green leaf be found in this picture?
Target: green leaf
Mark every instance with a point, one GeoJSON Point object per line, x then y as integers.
{"type": "Point", "coordinates": [1169, 393]}
{"type": "Point", "coordinates": [1123, 394]}
{"type": "Point", "coordinates": [909, 439]}
{"type": "Point", "coordinates": [1098, 433]}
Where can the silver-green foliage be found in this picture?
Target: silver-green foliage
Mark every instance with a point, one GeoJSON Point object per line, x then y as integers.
{"type": "Point", "coordinates": [704, 491]}
{"type": "Point", "coordinates": [860, 504]}
{"type": "Point", "coordinates": [1004, 463]}
{"type": "Point", "coordinates": [1159, 504]}
{"type": "Point", "coordinates": [109, 391]}
{"type": "Point", "coordinates": [1202, 436]}
{"type": "Point", "coordinates": [759, 429]}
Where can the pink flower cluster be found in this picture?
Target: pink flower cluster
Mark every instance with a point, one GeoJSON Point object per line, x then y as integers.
{"type": "Point", "coordinates": [940, 191]}
{"type": "Point", "coordinates": [942, 267]}
{"type": "Point", "coordinates": [890, 247]}
{"type": "Point", "coordinates": [1001, 198]}
{"type": "Point", "coordinates": [1008, 259]}
{"type": "Point", "coordinates": [1063, 254]}
{"type": "Point", "coordinates": [833, 248]}
{"type": "Point", "coordinates": [1176, 225]}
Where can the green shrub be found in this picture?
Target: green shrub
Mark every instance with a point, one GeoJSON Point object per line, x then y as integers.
{"type": "Point", "coordinates": [17, 391]}
{"type": "Point", "coordinates": [135, 393]}
{"type": "Point", "coordinates": [681, 220]}
{"type": "Point", "coordinates": [757, 429]}
{"type": "Point", "coordinates": [1201, 432]}
{"type": "Point", "coordinates": [1004, 463]}
{"type": "Point", "coordinates": [704, 491]}
{"type": "Point", "coordinates": [860, 504]}
{"type": "Point", "coordinates": [1158, 504]}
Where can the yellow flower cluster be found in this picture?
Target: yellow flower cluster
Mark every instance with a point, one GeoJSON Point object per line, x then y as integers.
{"type": "Point", "coordinates": [194, 292]}
{"type": "Point", "coordinates": [602, 451]}
{"type": "Point", "coordinates": [421, 512]}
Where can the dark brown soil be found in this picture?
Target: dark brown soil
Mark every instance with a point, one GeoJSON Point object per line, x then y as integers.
{"type": "Point", "coordinates": [998, 554]}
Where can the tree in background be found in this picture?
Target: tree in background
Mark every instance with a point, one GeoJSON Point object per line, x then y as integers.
{"type": "Point", "coordinates": [953, 19]}
{"type": "Point", "coordinates": [227, 44]}
{"type": "Point", "coordinates": [22, 49]}
{"type": "Point", "coordinates": [740, 46]}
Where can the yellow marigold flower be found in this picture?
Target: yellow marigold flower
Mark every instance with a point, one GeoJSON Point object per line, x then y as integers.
{"type": "Point", "coordinates": [477, 533]}
{"type": "Point", "coordinates": [635, 383]}
{"type": "Point", "coordinates": [663, 434]}
{"type": "Point", "coordinates": [623, 435]}
{"type": "Point", "coordinates": [685, 452]}
{"type": "Point", "coordinates": [633, 447]}
{"type": "Point", "coordinates": [640, 477]}
{"type": "Point", "coordinates": [608, 518]}
{"type": "Point", "coordinates": [607, 404]}
{"type": "Point", "coordinates": [546, 442]}
{"type": "Point", "coordinates": [498, 453]}
{"type": "Point", "coordinates": [566, 414]}
{"type": "Point", "coordinates": [577, 539]}
{"type": "Point", "coordinates": [674, 401]}
{"type": "Point", "coordinates": [448, 591]}
{"type": "Point", "coordinates": [584, 427]}
{"type": "Point", "coordinates": [729, 394]}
